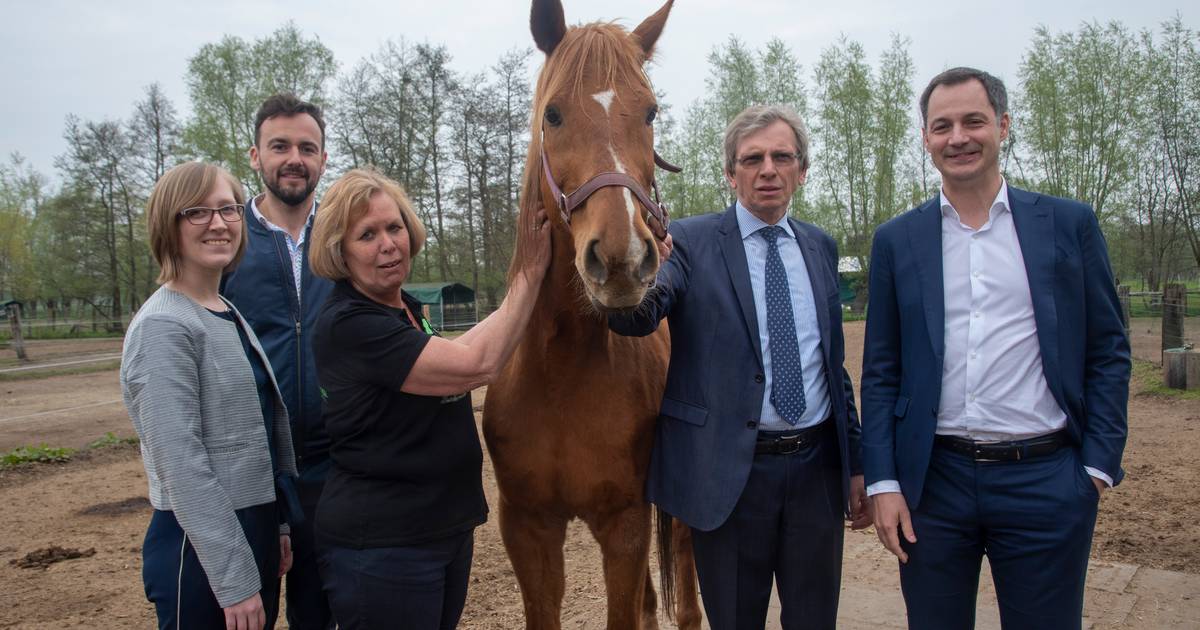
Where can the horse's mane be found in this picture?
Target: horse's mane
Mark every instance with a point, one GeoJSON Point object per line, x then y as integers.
{"type": "Point", "coordinates": [596, 47]}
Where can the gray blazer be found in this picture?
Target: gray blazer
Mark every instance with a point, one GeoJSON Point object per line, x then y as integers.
{"type": "Point", "coordinates": [190, 392]}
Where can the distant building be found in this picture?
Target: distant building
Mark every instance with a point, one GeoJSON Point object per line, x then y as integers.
{"type": "Point", "coordinates": [447, 305]}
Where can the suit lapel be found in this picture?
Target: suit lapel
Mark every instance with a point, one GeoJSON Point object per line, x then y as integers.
{"type": "Point", "coordinates": [925, 242]}
{"type": "Point", "coordinates": [814, 262]}
{"type": "Point", "coordinates": [1034, 223]}
{"type": "Point", "coordinates": [730, 240]}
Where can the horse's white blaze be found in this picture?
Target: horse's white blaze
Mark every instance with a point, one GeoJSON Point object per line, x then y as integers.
{"type": "Point", "coordinates": [635, 244]}
{"type": "Point", "coordinates": [605, 99]}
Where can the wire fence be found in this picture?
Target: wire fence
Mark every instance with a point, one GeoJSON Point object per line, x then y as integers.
{"type": "Point", "coordinates": [1177, 308]}
{"type": "Point", "coordinates": [1168, 312]}
{"type": "Point", "coordinates": [1151, 303]}
{"type": "Point", "coordinates": [65, 328]}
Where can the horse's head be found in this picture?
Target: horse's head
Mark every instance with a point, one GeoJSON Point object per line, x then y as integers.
{"type": "Point", "coordinates": [593, 113]}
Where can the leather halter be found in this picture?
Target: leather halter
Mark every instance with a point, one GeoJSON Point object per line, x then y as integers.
{"type": "Point", "coordinates": [657, 216]}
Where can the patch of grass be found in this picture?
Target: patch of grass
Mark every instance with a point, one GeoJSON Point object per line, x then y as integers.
{"type": "Point", "coordinates": [1149, 376]}
{"type": "Point", "coordinates": [111, 439]}
{"type": "Point", "coordinates": [40, 454]}
{"type": "Point", "coordinates": [1137, 308]}
{"type": "Point", "coordinates": [29, 375]}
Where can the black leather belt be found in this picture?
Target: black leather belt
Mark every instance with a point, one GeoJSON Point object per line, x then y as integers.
{"type": "Point", "coordinates": [786, 443]}
{"type": "Point", "coordinates": [1003, 451]}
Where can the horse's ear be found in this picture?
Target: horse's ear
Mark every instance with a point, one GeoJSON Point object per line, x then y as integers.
{"type": "Point", "coordinates": [547, 23]}
{"type": "Point", "coordinates": [648, 31]}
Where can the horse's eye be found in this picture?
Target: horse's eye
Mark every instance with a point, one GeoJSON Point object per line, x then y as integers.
{"type": "Point", "coordinates": [553, 118]}
{"type": "Point", "coordinates": [651, 114]}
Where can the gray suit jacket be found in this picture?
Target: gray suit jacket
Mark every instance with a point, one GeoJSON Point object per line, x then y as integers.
{"type": "Point", "coordinates": [190, 392]}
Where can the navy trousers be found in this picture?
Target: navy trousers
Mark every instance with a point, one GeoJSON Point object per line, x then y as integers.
{"type": "Point", "coordinates": [307, 606]}
{"type": "Point", "coordinates": [418, 587]}
{"type": "Point", "coordinates": [787, 528]}
{"type": "Point", "coordinates": [1033, 518]}
{"type": "Point", "coordinates": [176, 583]}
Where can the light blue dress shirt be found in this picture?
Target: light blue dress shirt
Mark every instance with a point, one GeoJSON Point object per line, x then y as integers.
{"type": "Point", "coordinates": [295, 247]}
{"type": "Point", "coordinates": [808, 332]}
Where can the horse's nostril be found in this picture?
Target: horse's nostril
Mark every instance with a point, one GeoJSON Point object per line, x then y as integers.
{"type": "Point", "coordinates": [592, 263]}
{"type": "Point", "coordinates": [649, 266]}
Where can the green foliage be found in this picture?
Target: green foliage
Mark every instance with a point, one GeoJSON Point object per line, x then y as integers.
{"type": "Point", "coordinates": [1080, 94]}
{"type": "Point", "coordinates": [1101, 113]}
{"type": "Point", "coordinates": [738, 78]}
{"type": "Point", "coordinates": [229, 79]}
{"type": "Point", "coordinates": [863, 126]}
{"type": "Point", "coordinates": [40, 454]}
{"type": "Point", "coordinates": [111, 439]}
{"type": "Point", "coordinates": [21, 194]}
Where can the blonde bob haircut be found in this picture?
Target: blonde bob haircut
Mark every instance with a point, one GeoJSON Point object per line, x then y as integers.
{"type": "Point", "coordinates": [347, 201]}
{"type": "Point", "coordinates": [185, 186]}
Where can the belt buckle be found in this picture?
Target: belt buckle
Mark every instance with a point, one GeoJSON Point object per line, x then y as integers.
{"type": "Point", "coordinates": [980, 456]}
{"type": "Point", "coordinates": [787, 448]}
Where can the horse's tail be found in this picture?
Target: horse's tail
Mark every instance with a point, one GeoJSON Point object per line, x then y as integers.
{"type": "Point", "coordinates": [666, 560]}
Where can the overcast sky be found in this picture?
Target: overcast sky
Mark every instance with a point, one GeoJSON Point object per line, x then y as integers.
{"type": "Point", "coordinates": [93, 59]}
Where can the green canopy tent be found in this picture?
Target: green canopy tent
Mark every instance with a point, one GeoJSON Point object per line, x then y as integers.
{"type": "Point", "coordinates": [448, 305]}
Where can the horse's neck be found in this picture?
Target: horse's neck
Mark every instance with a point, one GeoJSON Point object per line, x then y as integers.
{"type": "Point", "coordinates": [563, 313]}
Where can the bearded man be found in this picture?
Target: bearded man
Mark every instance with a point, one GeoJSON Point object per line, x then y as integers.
{"type": "Point", "coordinates": [279, 296]}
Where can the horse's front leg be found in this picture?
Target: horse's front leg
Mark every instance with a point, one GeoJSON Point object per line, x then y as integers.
{"type": "Point", "coordinates": [624, 539]}
{"type": "Point", "coordinates": [534, 542]}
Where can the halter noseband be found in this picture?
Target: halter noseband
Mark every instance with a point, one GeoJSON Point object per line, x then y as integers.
{"type": "Point", "coordinates": [657, 216]}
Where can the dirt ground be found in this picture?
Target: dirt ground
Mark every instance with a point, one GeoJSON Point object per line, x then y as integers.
{"type": "Point", "coordinates": [40, 351]}
{"type": "Point", "coordinates": [97, 502]}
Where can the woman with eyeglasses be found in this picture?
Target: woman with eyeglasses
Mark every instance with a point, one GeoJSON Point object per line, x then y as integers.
{"type": "Point", "coordinates": [214, 431]}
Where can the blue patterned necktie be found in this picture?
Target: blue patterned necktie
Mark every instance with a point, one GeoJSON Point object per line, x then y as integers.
{"type": "Point", "coordinates": [787, 376]}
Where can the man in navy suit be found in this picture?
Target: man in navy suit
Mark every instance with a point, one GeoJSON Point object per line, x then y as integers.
{"type": "Point", "coordinates": [758, 443]}
{"type": "Point", "coordinates": [995, 379]}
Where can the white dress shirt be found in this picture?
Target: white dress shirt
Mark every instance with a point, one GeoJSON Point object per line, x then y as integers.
{"type": "Point", "coordinates": [804, 311]}
{"type": "Point", "coordinates": [993, 385]}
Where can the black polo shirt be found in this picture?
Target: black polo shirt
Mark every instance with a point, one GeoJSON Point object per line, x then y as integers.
{"type": "Point", "coordinates": [407, 469]}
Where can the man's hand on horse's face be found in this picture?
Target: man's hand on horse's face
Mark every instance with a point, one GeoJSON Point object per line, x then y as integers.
{"type": "Point", "coordinates": [664, 248]}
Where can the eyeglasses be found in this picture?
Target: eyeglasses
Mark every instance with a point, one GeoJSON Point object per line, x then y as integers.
{"type": "Point", "coordinates": [203, 216]}
{"type": "Point", "coordinates": [781, 159]}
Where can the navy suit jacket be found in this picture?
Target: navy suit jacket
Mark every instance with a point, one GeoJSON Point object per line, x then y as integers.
{"type": "Point", "coordinates": [1085, 352]}
{"type": "Point", "coordinates": [708, 424]}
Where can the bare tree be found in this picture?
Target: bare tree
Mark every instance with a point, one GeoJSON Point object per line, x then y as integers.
{"type": "Point", "coordinates": [98, 166]}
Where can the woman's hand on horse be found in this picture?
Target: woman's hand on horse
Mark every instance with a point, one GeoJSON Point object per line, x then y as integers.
{"type": "Point", "coordinates": [664, 248]}
{"type": "Point", "coordinates": [539, 260]}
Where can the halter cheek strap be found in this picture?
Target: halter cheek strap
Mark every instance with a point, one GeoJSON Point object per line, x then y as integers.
{"type": "Point", "coordinates": [657, 216]}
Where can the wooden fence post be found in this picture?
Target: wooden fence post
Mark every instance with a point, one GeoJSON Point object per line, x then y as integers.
{"type": "Point", "coordinates": [14, 323]}
{"type": "Point", "coordinates": [1181, 368]}
{"type": "Point", "coordinates": [1174, 307]}
{"type": "Point", "coordinates": [1123, 295]}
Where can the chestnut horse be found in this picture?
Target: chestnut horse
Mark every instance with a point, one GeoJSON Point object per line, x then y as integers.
{"type": "Point", "coordinates": [569, 424]}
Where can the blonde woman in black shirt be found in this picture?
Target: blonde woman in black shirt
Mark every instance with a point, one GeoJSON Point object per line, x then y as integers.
{"type": "Point", "coordinates": [396, 520]}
